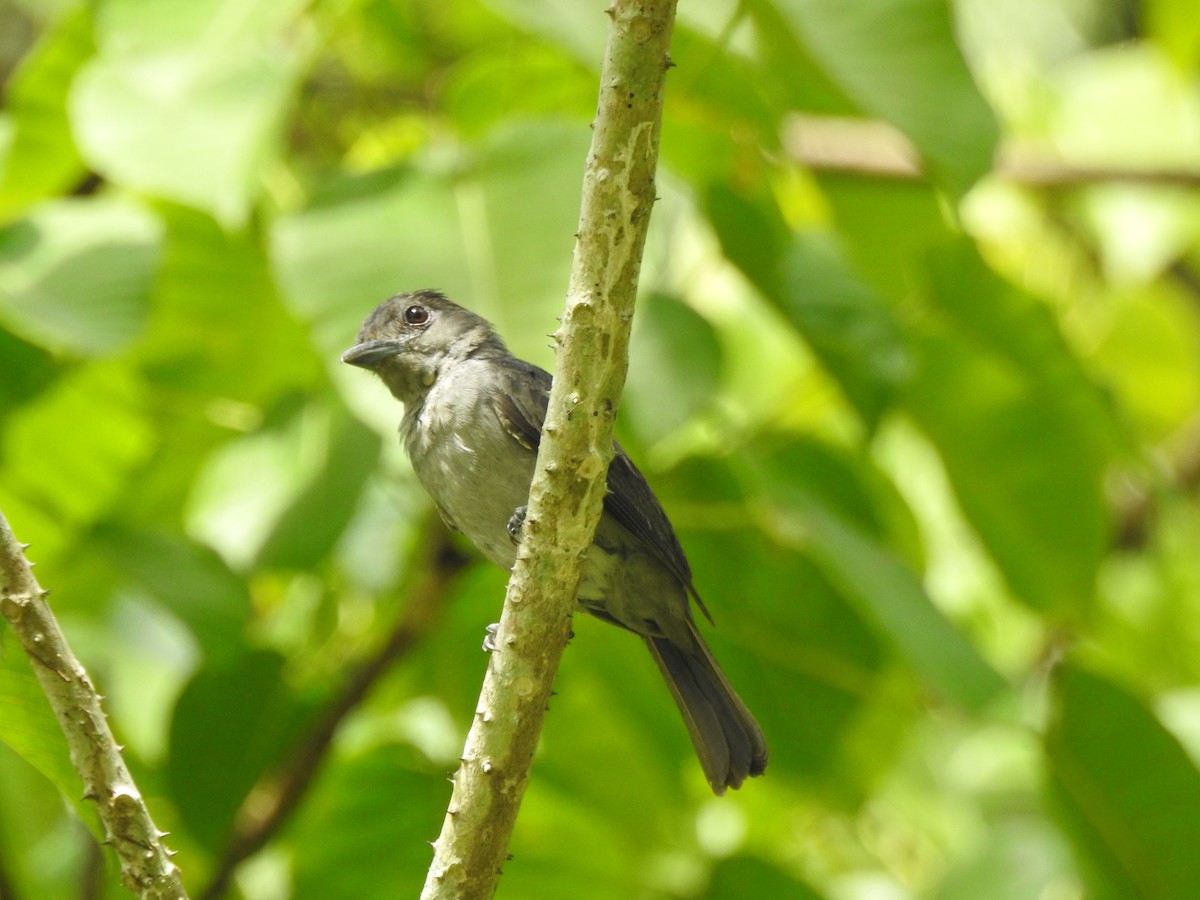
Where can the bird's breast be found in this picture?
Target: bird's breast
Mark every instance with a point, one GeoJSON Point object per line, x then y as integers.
{"type": "Point", "coordinates": [471, 468]}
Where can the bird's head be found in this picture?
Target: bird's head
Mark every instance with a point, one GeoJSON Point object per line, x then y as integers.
{"type": "Point", "coordinates": [409, 340]}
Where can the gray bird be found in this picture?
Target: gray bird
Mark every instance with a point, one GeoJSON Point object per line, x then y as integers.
{"type": "Point", "coordinates": [473, 417]}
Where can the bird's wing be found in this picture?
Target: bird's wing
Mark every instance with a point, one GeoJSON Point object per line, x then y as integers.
{"type": "Point", "coordinates": [522, 400]}
{"type": "Point", "coordinates": [633, 504]}
{"type": "Point", "coordinates": [521, 407]}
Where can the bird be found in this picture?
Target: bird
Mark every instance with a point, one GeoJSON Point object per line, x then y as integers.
{"type": "Point", "coordinates": [472, 422]}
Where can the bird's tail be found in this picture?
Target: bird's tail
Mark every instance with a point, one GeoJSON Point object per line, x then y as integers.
{"type": "Point", "coordinates": [728, 741]}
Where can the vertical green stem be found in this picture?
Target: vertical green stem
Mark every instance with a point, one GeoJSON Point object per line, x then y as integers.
{"type": "Point", "coordinates": [568, 488]}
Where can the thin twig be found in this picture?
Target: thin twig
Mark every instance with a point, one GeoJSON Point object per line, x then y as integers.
{"type": "Point", "coordinates": [576, 446]}
{"type": "Point", "coordinates": [877, 150]}
{"type": "Point", "coordinates": [270, 804]}
{"type": "Point", "coordinates": [146, 866]}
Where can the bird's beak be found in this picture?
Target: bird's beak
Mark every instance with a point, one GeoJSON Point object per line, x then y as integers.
{"type": "Point", "coordinates": [369, 354]}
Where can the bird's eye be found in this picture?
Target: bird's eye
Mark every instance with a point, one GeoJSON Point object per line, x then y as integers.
{"type": "Point", "coordinates": [416, 315]}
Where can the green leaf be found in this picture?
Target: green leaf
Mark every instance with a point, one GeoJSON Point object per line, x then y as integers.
{"type": "Point", "coordinates": [29, 727]}
{"type": "Point", "coordinates": [804, 659]}
{"type": "Point", "coordinates": [231, 726]}
{"type": "Point", "coordinates": [889, 596]}
{"type": "Point", "coordinates": [1125, 790]}
{"type": "Point", "coordinates": [1149, 358]}
{"type": "Point", "coordinates": [75, 275]}
{"type": "Point", "coordinates": [1176, 27]}
{"type": "Point", "coordinates": [309, 528]}
{"type": "Point", "coordinates": [817, 673]}
{"type": "Point", "coordinates": [888, 226]}
{"type": "Point", "coordinates": [674, 366]}
{"type": "Point", "coordinates": [899, 61]}
{"type": "Point", "coordinates": [42, 158]}
{"type": "Point", "coordinates": [1024, 436]}
{"type": "Point", "coordinates": [830, 520]}
{"type": "Point", "coordinates": [738, 877]}
{"type": "Point", "coordinates": [847, 325]}
{"type": "Point", "coordinates": [516, 78]}
{"type": "Point", "coordinates": [188, 102]}
{"type": "Point", "coordinates": [725, 85]}
{"type": "Point", "coordinates": [787, 69]}
{"type": "Point", "coordinates": [612, 687]}
{"type": "Point", "coordinates": [192, 581]}
{"type": "Point", "coordinates": [249, 483]}
{"type": "Point", "coordinates": [559, 22]}
{"type": "Point", "coordinates": [546, 861]}
{"type": "Point", "coordinates": [50, 486]}
{"type": "Point", "coordinates": [209, 276]}
{"type": "Point", "coordinates": [154, 28]}
{"type": "Point", "coordinates": [495, 234]}
{"type": "Point", "coordinates": [25, 371]}
{"type": "Point", "coordinates": [368, 825]}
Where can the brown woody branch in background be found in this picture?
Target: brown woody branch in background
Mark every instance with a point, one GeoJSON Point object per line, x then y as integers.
{"type": "Point", "coordinates": [875, 149]}
{"type": "Point", "coordinates": [270, 803]}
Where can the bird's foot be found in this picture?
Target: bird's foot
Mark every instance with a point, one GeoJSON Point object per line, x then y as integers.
{"type": "Point", "coordinates": [516, 524]}
{"type": "Point", "coordinates": [489, 639]}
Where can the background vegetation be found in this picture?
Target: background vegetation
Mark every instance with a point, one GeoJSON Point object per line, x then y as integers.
{"type": "Point", "coordinates": [916, 374]}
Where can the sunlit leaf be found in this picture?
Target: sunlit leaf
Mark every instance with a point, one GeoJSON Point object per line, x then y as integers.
{"type": "Point", "coordinates": [560, 22]}
{"type": "Point", "coordinates": [42, 158]}
{"type": "Point", "coordinates": [844, 321]}
{"type": "Point", "coordinates": [517, 78]}
{"type": "Point", "coordinates": [249, 483]}
{"type": "Point", "coordinates": [1174, 26]}
{"type": "Point", "coordinates": [75, 275]}
{"type": "Point", "coordinates": [1024, 436]}
{"type": "Point", "coordinates": [308, 529]}
{"type": "Point", "coordinates": [496, 236]}
{"type": "Point", "coordinates": [70, 454]}
{"type": "Point", "coordinates": [888, 228]}
{"type": "Point", "coordinates": [899, 61]}
{"type": "Point", "coordinates": [185, 107]}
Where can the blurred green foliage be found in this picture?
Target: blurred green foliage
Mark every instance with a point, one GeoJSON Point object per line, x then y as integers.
{"type": "Point", "coordinates": [930, 441]}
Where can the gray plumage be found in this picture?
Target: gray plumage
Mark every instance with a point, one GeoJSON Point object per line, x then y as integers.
{"type": "Point", "coordinates": [473, 417]}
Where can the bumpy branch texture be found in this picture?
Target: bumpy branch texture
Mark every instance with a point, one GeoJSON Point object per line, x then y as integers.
{"type": "Point", "coordinates": [146, 866]}
{"type": "Point", "coordinates": [569, 485]}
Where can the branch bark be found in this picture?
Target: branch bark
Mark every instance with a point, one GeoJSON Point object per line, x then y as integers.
{"type": "Point", "coordinates": [146, 866]}
{"type": "Point", "coordinates": [569, 485]}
